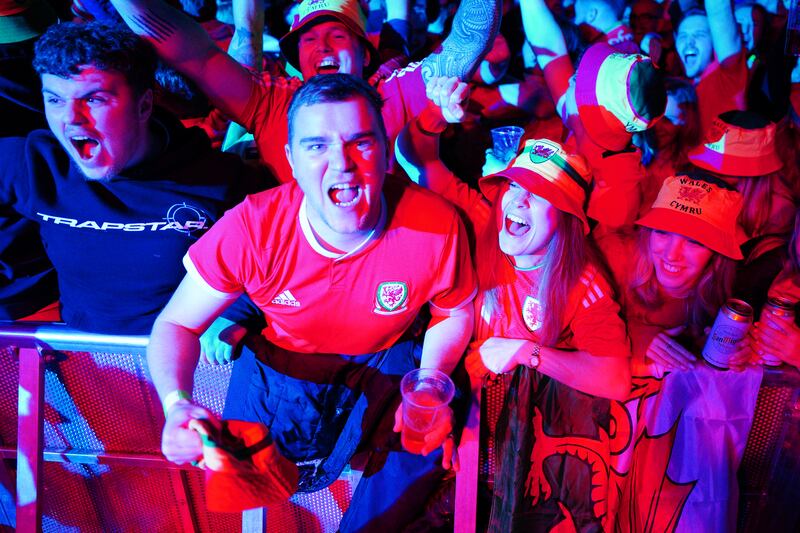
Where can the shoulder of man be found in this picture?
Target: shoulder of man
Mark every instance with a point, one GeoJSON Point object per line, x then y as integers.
{"type": "Point", "coordinates": [37, 157]}
{"type": "Point", "coordinates": [411, 70]}
{"type": "Point", "coordinates": [428, 209]}
{"type": "Point", "coordinates": [284, 199]}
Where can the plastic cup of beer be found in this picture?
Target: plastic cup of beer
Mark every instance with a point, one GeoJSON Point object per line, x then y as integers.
{"type": "Point", "coordinates": [426, 395]}
{"type": "Point", "coordinates": [505, 142]}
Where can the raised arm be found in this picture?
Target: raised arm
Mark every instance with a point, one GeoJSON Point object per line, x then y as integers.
{"type": "Point", "coordinates": [248, 34]}
{"type": "Point", "coordinates": [417, 148]}
{"type": "Point", "coordinates": [546, 39]}
{"type": "Point", "coordinates": [542, 31]}
{"type": "Point", "coordinates": [475, 26]}
{"type": "Point", "coordinates": [724, 29]}
{"type": "Point", "coordinates": [184, 44]}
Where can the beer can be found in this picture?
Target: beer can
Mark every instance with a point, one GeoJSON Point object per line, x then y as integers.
{"type": "Point", "coordinates": [733, 321]}
{"type": "Point", "coordinates": [782, 310]}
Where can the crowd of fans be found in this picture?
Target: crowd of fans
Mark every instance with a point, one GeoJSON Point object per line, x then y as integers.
{"type": "Point", "coordinates": [656, 179]}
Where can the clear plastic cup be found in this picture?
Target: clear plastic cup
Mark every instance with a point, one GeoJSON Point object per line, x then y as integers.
{"type": "Point", "coordinates": [506, 142]}
{"type": "Point", "coordinates": [426, 395]}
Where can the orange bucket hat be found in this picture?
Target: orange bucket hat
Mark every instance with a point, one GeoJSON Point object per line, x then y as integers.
{"type": "Point", "coordinates": [739, 143]}
{"type": "Point", "coordinates": [310, 12]}
{"type": "Point", "coordinates": [698, 210]}
{"type": "Point", "coordinates": [545, 169]}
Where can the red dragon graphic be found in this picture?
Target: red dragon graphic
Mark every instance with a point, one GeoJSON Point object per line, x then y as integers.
{"type": "Point", "coordinates": [649, 501]}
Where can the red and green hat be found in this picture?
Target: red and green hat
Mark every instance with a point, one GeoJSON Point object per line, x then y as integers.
{"type": "Point", "coordinates": [311, 12]}
{"type": "Point", "coordinates": [739, 143]}
{"type": "Point", "coordinates": [545, 169]}
{"type": "Point", "coordinates": [617, 95]}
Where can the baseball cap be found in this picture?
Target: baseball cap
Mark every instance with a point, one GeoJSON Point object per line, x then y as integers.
{"type": "Point", "coordinates": [21, 20]}
{"type": "Point", "coordinates": [738, 143]}
{"type": "Point", "coordinates": [699, 210]}
{"type": "Point", "coordinates": [311, 12]}
{"type": "Point", "coordinates": [617, 95]}
{"type": "Point", "coordinates": [545, 169]}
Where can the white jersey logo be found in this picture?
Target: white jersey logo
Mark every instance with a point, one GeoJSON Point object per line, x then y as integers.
{"type": "Point", "coordinates": [286, 298]}
{"type": "Point", "coordinates": [532, 313]}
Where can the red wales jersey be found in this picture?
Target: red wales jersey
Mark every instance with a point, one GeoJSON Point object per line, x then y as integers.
{"type": "Point", "coordinates": [591, 318]}
{"type": "Point", "coordinates": [316, 301]}
{"type": "Point", "coordinates": [721, 88]}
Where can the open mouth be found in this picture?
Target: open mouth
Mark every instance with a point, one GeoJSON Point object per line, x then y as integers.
{"type": "Point", "coordinates": [671, 269]}
{"type": "Point", "coordinates": [86, 147]}
{"type": "Point", "coordinates": [344, 194]}
{"type": "Point", "coordinates": [328, 65]}
{"type": "Point", "coordinates": [516, 226]}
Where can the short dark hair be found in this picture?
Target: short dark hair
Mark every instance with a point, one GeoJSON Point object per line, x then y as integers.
{"type": "Point", "coordinates": [64, 49]}
{"type": "Point", "coordinates": [691, 12]}
{"type": "Point", "coordinates": [617, 6]}
{"type": "Point", "coordinates": [747, 120]}
{"type": "Point", "coordinates": [332, 88]}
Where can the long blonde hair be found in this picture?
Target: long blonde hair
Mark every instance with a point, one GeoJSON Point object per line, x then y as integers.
{"type": "Point", "coordinates": [712, 288]}
{"type": "Point", "coordinates": [758, 199]}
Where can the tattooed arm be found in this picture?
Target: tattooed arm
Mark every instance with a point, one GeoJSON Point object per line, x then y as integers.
{"type": "Point", "coordinates": [474, 28]}
{"type": "Point", "coordinates": [184, 44]}
{"type": "Point", "coordinates": [248, 35]}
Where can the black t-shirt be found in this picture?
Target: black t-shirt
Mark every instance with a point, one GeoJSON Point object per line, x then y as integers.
{"type": "Point", "coordinates": [117, 244]}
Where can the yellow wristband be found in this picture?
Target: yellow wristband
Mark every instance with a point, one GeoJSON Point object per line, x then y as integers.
{"type": "Point", "coordinates": [174, 397]}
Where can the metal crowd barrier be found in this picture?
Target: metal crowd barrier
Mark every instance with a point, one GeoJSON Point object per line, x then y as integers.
{"type": "Point", "coordinates": [80, 429]}
{"type": "Point", "coordinates": [83, 421]}
{"type": "Point", "coordinates": [769, 476]}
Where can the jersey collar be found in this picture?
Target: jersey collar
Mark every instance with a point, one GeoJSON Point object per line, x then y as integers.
{"type": "Point", "coordinates": [305, 225]}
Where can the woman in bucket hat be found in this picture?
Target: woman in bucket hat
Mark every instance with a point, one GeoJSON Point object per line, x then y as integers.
{"type": "Point", "coordinates": [740, 149]}
{"type": "Point", "coordinates": [675, 273]}
{"type": "Point", "coordinates": [676, 270]}
{"type": "Point", "coordinates": [544, 314]}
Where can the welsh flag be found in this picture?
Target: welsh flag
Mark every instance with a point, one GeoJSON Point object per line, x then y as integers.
{"type": "Point", "coordinates": [665, 460]}
{"type": "Point", "coordinates": [689, 431]}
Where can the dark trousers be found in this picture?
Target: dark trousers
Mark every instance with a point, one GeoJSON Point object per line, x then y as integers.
{"type": "Point", "coordinates": [323, 408]}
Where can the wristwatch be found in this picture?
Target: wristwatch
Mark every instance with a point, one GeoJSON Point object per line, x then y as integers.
{"type": "Point", "coordinates": [535, 358]}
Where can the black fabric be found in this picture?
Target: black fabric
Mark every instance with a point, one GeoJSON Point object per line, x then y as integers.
{"type": "Point", "coordinates": [27, 279]}
{"type": "Point", "coordinates": [21, 108]}
{"type": "Point", "coordinates": [117, 244]}
{"type": "Point", "coordinates": [753, 278]}
{"type": "Point", "coordinates": [565, 413]}
{"type": "Point", "coordinates": [246, 313]}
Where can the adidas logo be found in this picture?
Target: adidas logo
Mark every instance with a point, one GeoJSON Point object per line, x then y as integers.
{"type": "Point", "coordinates": [286, 298]}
